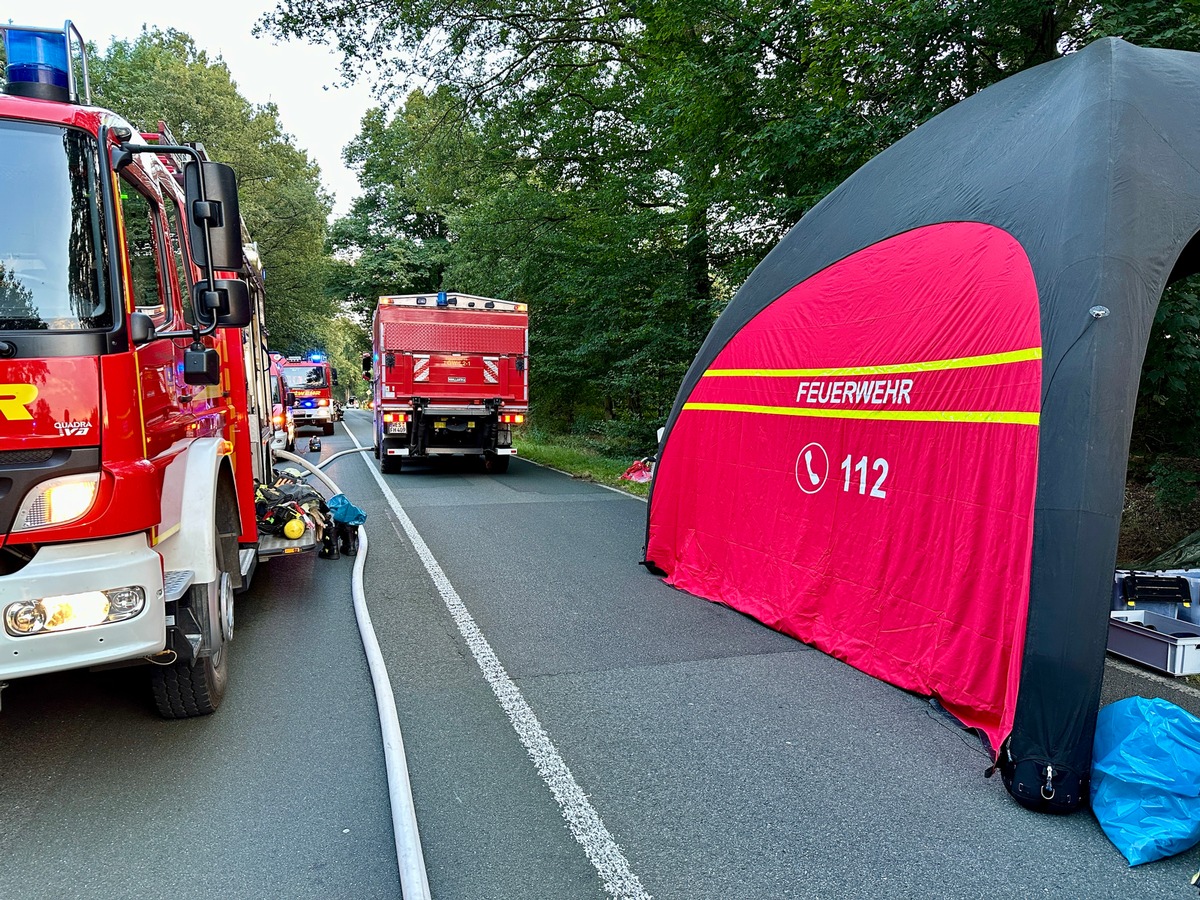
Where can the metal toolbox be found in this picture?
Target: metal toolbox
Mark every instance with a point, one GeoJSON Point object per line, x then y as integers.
{"type": "Point", "coordinates": [1165, 643]}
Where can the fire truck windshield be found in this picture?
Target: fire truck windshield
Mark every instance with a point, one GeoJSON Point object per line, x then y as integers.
{"type": "Point", "coordinates": [305, 376]}
{"type": "Point", "coordinates": [51, 231]}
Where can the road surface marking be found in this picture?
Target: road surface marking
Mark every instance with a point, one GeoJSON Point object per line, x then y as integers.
{"type": "Point", "coordinates": [617, 877]}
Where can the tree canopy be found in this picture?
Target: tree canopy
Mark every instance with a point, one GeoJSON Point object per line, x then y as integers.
{"type": "Point", "coordinates": [622, 167]}
{"type": "Point", "coordinates": [164, 76]}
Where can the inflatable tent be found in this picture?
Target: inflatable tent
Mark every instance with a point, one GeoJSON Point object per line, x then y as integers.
{"type": "Point", "coordinates": [905, 439]}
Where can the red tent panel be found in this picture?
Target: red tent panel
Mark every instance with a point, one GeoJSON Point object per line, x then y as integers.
{"type": "Point", "coordinates": [868, 449]}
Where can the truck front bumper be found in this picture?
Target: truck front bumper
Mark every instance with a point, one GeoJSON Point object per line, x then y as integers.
{"type": "Point", "coordinates": [63, 569]}
{"type": "Point", "coordinates": [317, 415]}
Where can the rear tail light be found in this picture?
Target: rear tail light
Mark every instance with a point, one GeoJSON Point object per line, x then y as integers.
{"type": "Point", "coordinates": [397, 417]}
{"type": "Point", "coordinates": [513, 419]}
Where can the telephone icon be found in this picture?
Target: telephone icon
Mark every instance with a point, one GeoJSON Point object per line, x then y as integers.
{"type": "Point", "coordinates": [812, 476]}
{"type": "Point", "coordinates": [812, 468]}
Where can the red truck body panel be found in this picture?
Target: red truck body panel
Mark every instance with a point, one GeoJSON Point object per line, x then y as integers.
{"type": "Point", "coordinates": [452, 355]}
{"type": "Point", "coordinates": [53, 402]}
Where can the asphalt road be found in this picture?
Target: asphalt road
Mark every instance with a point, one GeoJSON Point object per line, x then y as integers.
{"type": "Point", "coordinates": [280, 794]}
{"type": "Point", "coordinates": [723, 759]}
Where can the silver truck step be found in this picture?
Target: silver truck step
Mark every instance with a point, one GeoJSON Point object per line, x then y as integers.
{"type": "Point", "coordinates": [272, 545]}
{"type": "Point", "coordinates": [176, 583]}
{"type": "Point", "coordinates": [246, 560]}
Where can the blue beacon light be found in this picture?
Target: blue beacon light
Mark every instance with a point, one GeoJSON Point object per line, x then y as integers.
{"type": "Point", "coordinates": [38, 64]}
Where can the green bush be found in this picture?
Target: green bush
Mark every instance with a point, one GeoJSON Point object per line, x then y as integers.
{"type": "Point", "coordinates": [1174, 487]}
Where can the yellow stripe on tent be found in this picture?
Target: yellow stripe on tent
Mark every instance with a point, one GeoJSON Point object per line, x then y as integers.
{"type": "Point", "coordinates": [891, 415]}
{"type": "Point", "coordinates": [936, 365]}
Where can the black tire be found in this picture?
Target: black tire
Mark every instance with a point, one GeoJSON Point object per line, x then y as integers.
{"type": "Point", "coordinates": [184, 688]}
{"type": "Point", "coordinates": [389, 465]}
{"type": "Point", "coordinates": [494, 464]}
{"type": "Point", "coordinates": [327, 428]}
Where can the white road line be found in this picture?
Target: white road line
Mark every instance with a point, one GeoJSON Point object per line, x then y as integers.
{"type": "Point", "coordinates": [607, 487]}
{"type": "Point", "coordinates": [618, 879]}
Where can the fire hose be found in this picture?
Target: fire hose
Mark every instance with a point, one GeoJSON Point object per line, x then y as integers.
{"type": "Point", "coordinates": [414, 883]}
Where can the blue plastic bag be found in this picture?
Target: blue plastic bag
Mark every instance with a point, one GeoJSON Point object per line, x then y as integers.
{"type": "Point", "coordinates": [346, 512]}
{"type": "Point", "coordinates": [1146, 778]}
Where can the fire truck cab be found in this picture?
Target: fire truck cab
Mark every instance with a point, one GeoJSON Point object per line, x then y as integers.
{"type": "Point", "coordinates": [311, 380]}
{"type": "Point", "coordinates": [134, 401]}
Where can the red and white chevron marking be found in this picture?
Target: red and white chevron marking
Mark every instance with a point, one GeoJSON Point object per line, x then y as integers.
{"type": "Point", "coordinates": [420, 368]}
{"type": "Point", "coordinates": [491, 370]}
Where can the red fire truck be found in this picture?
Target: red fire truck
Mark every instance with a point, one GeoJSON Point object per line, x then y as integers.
{"type": "Point", "coordinates": [134, 399]}
{"type": "Point", "coordinates": [311, 379]}
{"type": "Point", "coordinates": [450, 376]}
{"type": "Point", "coordinates": [283, 422]}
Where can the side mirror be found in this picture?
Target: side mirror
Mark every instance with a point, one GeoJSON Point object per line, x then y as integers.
{"type": "Point", "coordinates": [334, 371]}
{"type": "Point", "coordinates": [141, 329]}
{"type": "Point", "coordinates": [229, 303]}
{"type": "Point", "coordinates": [214, 211]}
{"type": "Point", "coordinates": [289, 398]}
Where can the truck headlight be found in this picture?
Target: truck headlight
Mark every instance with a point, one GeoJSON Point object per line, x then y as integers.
{"type": "Point", "coordinates": [57, 501]}
{"type": "Point", "coordinates": [66, 612]}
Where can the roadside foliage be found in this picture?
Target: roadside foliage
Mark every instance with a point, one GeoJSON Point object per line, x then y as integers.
{"type": "Point", "coordinates": [622, 167]}
{"type": "Point", "coordinates": [164, 76]}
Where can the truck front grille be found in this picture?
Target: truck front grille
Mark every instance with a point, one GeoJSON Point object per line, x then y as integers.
{"type": "Point", "coordinates": [24, 457]}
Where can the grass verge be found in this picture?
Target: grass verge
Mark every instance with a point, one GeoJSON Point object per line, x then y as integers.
{"type": "Point", "coordinates": [579, 461]}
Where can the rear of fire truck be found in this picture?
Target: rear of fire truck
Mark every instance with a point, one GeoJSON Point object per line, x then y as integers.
{"type": "Point", "coordinates": [127, 383]}
{"type": "Point", "coordinates": [450, 377]}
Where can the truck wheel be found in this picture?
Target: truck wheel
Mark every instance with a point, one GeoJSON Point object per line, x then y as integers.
{"type": "Point", "coordinates": [494, 464]}
{"type": "Point", "coordinates": [185, 689]}
{"type": "Point", "coordinates": [389, 464]}
{"type": "Point", "coordinates": [327, 428]}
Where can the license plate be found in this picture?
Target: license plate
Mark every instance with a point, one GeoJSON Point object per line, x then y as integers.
{"type": "Point", "coordinates": [397, 428]}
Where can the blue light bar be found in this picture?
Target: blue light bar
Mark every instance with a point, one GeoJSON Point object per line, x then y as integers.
{"type": "Point", "coordinates": [37, 58]}
{"type": "Point", "coordinates": [441, 298]}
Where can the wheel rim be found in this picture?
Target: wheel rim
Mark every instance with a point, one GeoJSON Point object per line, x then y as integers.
{"type": "Point", "coordinates": [225, 607]}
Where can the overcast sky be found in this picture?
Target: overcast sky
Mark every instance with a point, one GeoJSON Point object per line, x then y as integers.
{"type": "Point", "coordinates": [297, 77]}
